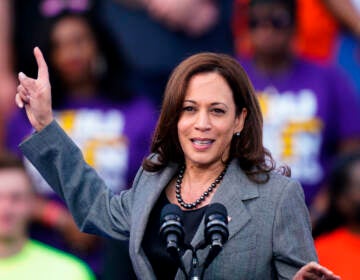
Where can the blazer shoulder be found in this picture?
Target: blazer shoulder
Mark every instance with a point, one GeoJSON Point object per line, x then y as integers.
{"type": "Point", "coordinates": [279, 184]}
{"type": "Point", "coordinates": [281, 180]}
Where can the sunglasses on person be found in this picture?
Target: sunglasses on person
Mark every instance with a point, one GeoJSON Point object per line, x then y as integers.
{"type": "Point", "coordinates": [277, 22]}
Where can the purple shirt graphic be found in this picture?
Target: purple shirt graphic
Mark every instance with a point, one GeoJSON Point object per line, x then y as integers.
{"type": "Point", "coordinates": [308, 110]}
{"type": "Point", "coordinates": [113, 138]}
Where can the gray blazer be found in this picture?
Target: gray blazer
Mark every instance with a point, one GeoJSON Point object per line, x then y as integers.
{"type": "Point", "coordinates": [270, 235]}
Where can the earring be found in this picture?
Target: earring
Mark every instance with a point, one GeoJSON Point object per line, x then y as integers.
{"type": "Point", "coordinates": [237, 134]}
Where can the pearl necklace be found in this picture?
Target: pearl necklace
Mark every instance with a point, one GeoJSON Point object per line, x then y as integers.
{"type": "Point", "coordinates": [202, 197]}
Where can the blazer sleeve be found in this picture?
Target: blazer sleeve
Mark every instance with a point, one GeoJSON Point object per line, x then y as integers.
{"type": "Point", "coordinates": [93, 205]}
{"type": "Point", "coordinates": [292, 239]}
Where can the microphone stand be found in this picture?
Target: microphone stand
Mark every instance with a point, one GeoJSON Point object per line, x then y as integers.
{"type": "Point", "coordinates": [175, 253]}
{"type": "Point", "coordinates": [196, 271]}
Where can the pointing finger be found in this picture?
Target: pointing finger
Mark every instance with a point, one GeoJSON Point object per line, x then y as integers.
{"type": "Point", "coordinates": [42, 66]}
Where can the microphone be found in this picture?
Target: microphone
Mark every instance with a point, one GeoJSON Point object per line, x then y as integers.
{"type": "Point", "coordinates": [172, 230]}
{"type": "Point", "coordinates": [216, 230]}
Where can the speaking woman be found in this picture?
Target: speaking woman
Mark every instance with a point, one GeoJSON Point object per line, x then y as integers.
{"type": "Point", "coordinates": [207, 148]}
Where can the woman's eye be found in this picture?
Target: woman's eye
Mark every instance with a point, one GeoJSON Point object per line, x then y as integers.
{"type": "Point", "coordinates": [218, 111]}
{"type": "Point", "coordinates": [188, 108]}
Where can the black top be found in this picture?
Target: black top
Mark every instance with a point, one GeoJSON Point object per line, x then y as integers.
{"type": "Point", "coordinates": [163, 265]}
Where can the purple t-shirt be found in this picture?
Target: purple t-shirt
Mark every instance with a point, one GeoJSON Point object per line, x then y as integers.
{"type": "Point", "coordinates": [114, 140]}
{"type": "Point", "coordinates": [307, 109]}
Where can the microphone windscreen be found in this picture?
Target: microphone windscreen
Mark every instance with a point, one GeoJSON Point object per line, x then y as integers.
{"type": "Point", "coordinates": [170, 209]}
{"type": "Point", "coordinates": [216, 208]}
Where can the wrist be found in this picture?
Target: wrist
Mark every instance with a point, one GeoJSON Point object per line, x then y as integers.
{"type": "Point", "coordinates": [44, 123]}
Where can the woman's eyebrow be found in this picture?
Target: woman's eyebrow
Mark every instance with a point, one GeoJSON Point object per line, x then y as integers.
{"type": "Point", "coordinates": [191, 101]}
{"type": "Point", "coordinates": [212, 104]}
{"type": "Point", "coordinates": [218, 103]}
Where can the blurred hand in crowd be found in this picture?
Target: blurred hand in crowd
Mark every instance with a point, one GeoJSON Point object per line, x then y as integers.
{"type": "Point", "coordinates": [194, 17]}
{"type": "Point", "coordinates": [57, 217]}
{"type": "Point", "coordinates": [7, 91]}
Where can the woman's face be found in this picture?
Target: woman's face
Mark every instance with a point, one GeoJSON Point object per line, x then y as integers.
{"type": "Point", "coordinates": [74, 50]}
{"type": "Point", "coordinates": [208, 120]}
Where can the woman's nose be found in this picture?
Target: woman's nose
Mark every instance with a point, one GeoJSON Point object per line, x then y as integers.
{"type": "Point", "coordinates": [203, 121]}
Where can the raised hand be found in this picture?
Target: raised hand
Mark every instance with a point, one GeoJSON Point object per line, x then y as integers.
{"type": "Point", "coordinates": [35, 94]}
{"type": "Point", "coordinates": [315, 271]}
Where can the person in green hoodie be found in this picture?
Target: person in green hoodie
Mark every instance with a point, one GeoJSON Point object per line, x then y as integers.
{"type": "Point", "coordinates": [20, 256]}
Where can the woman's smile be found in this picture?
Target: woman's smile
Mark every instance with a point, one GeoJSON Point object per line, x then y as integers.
{"type": "Point", "coordinates": [202, 144]}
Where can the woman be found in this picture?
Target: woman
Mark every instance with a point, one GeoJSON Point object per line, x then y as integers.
{"type": "Point", "coordinates": [210, 124]}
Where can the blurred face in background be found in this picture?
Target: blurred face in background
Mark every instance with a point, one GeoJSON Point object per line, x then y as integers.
{"type": "Point", "coordinates": [271, 29]}
{"type": "Point", "coordinates": [74, 50]}
{"type": "Point", "coordinates": [16, 203]}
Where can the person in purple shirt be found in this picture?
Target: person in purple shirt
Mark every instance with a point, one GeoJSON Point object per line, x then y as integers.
{"type": "Point", "coordinates": [112, 127]}
{"type": "Point", "coordinates": [310, 112]}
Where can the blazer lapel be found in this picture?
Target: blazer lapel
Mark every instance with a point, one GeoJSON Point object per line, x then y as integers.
{"type": "Point", "coordinates": [150, 193]}
{"type": "Point", "coordinates": [234, 189]}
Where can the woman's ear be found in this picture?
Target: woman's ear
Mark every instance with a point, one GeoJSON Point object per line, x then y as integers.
{"type": "Point", "coordinates": [240, 121]}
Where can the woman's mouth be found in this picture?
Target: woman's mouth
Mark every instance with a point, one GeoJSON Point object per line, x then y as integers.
{"type": "Point", "coordinates": [201, 143]}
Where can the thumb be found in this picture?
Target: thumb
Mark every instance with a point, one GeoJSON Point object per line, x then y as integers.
{"type": "Point", "coordinates": [26, 82]}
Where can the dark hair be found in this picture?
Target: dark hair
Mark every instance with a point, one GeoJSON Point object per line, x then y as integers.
{"type": "Point", "coordinates": [10, 160]}
{"type": "Point", "coordinates": [290, 6]}
{"type": "Point", "coordinates": [112, 82]}
{"type": "Point", "coordinates": [338, 182]}
{"type": "Point", "coordinates": [253, 158]}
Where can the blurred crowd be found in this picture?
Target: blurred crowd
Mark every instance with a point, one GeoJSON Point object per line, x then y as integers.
{"type": "Point", "coordinates": [109, 61]}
